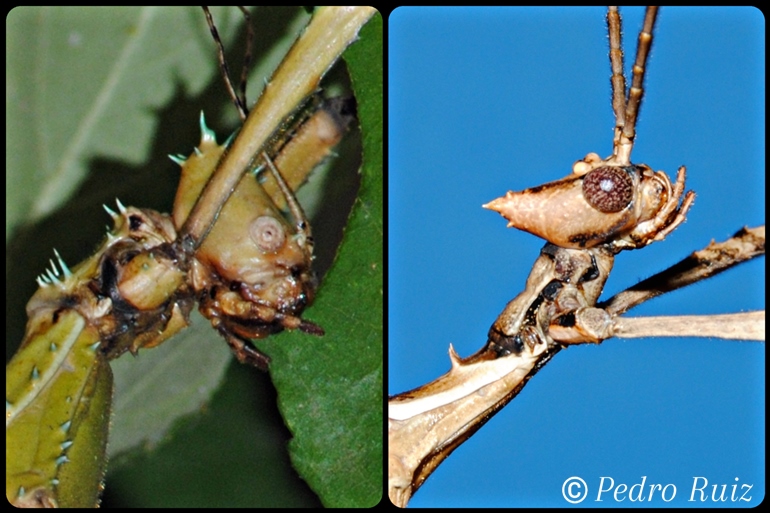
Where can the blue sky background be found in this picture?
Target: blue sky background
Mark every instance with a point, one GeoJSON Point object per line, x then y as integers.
{"type": "Point", "coordinates": [486, 100]}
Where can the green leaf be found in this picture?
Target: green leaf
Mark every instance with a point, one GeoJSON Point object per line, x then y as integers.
{"type": "Point", "coordinates": [330, 389]}
{"type": "Point", "coordinates": [96, 100]}
{"type": "Point", "coordinates": [85, 82]}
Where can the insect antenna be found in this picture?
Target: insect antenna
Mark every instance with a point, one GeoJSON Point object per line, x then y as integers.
{"type": "Point", "coordinates": [238, 99]}
{"type": "Point", "coordinates": [627, 110]}
{"type": "Point", "coordinates": [618, 78]}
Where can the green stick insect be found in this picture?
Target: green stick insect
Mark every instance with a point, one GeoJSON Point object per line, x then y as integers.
{"type": "Point", "coordinates": [226, 247]}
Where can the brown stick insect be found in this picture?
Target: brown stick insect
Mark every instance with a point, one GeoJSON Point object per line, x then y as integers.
{"type": "Point", "coordinates": [511, 99]}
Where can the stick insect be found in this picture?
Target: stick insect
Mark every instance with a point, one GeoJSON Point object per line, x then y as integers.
{"type": "Point", "coordinates": [518, 94]}
{"type": "Point", "coordinates": [145, 17]}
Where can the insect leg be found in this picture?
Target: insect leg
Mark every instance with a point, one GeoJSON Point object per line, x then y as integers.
{"type": "Point", "coordinates": [243, 350]}
{"type": "Point", "coordinates": [247, 56]}
{"type": "Point", "coordinates": [238, 99]}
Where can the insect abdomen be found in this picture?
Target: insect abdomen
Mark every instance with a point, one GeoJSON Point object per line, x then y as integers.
{"type": "Point", "coordinates": [58, 391]}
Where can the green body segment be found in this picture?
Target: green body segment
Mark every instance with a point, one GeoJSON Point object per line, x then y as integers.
{"type": "Point", "coordinates": [58, 394]}
{"type": "Point", "coordinates": [59, 384]}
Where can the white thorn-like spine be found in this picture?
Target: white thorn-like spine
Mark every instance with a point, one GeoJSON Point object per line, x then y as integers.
{"type": "Point", "coordinates": [454, 357]}
{"type": "Point", "coordinates": [178, 159]}
{"type": "Point", "coordinates": [51, 275]}
{"type": "Point", "coordinates": [110, 212]}
{"type": "Point", "coordinates": [207, 135]}
{"type": "Point", "coordinates": [65, 270]}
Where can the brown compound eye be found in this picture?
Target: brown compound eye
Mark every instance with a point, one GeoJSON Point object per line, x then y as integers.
{"type": "Point", "coordinates": [268, 234]}
{"type": "Point", "coordinates": [608, 189]}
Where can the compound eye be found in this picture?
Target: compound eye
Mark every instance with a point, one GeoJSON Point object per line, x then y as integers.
{"type": "Point", "coordinates": [608, 189]}
{"type": "Point", "coordinates": [268, 234]}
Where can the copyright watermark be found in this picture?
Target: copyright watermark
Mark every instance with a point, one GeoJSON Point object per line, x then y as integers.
{"type": "Point", "coordinates": [575, 490]}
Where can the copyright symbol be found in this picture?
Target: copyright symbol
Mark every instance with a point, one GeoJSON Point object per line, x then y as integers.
{"type": "Point", "coordinates": [574, 490]}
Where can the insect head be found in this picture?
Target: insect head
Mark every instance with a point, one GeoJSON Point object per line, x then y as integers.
{"type": "Point", "coordinates": [252, 275]}
{"type": "Point", "coordinates": [599, 202]}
